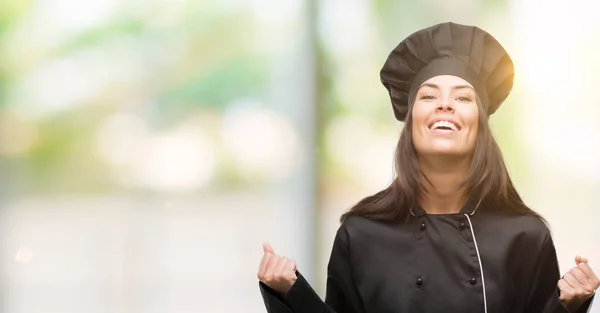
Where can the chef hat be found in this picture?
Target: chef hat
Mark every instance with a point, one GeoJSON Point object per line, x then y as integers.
{"type": "Point", "coordinates": [448, 49]}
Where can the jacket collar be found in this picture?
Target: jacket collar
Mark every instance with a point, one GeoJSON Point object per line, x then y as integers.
{"type": "Point", "coordinates": [469, 208]}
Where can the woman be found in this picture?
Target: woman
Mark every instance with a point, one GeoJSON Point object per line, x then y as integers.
{"type": "Point", "coordinates": [451, 233]}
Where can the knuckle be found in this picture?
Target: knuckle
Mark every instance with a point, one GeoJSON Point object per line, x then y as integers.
{"type": "Point", "coordinates": [293, 277]}
{"type": "Point", "coordinates": [292, 267]}
{"type": "Point", "coordinates": [575, 270]}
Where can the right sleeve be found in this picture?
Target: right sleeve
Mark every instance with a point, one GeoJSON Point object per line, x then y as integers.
{"type": "Point", "coordinates": [273, 301]}
{"type": "Point", "coordinates": [341, 295]}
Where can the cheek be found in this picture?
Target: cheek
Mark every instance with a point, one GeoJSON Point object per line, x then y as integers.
{"type": "Point", "coordinates": [471, 117]}
{"type": "Point", "coordinates": [417, 120]}
{"type": "Point", "coordinates": [419, 115]}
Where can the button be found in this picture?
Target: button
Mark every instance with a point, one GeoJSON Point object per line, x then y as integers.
{"type": "Point", "coordinates": [462, 225]}
{"type": "Point", "coordinates": [473, 281]}
{"type": "Point", "coordinates": [423, 226]}
{"type": "Point", "coordinates": [419, 281]}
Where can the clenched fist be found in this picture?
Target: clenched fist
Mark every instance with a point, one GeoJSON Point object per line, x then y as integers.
{"type": "Point", "coordinates": [277, 272]}
{"type": "Point", "coordinates": [578, 285]}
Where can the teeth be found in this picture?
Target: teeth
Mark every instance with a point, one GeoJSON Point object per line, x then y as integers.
{"type": "Point", "coordinates": [444, 124]}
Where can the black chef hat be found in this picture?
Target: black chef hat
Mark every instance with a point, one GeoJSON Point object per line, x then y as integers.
{"type": "Point", "coordinates": [448, 49]}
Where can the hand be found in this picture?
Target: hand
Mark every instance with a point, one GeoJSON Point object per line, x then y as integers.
{"type": "Point", "coordinates": [578, 285]}
{"type": "Point", "coordinates": [277, 272]}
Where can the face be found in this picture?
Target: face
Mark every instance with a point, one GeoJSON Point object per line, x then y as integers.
{"type": "Point", "coordinates": [445, 117]}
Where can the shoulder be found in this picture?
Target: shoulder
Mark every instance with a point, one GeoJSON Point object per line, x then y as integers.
{"type": "Point", "coordinates": [528, 223]}
{"type": "Point", "coordinates": [356, 229]}
{"type": "Point", "coordinates": [523, 227]}
{"type": "Point", "coordinates": [353, 225]}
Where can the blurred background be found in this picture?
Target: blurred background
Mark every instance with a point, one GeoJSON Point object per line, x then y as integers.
{"type": "Point", "coordinates": [148, 148]}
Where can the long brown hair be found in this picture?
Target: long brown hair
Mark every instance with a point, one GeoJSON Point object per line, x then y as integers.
{"type": "Point", "coordinates": [488, 180]}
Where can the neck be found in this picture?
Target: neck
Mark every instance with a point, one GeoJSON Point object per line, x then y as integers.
{"type": "Point", "coordinates": [441, 181]}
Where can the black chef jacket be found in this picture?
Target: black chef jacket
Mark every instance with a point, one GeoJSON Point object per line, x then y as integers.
{"type": "Point", "coordinates": [470, 262]}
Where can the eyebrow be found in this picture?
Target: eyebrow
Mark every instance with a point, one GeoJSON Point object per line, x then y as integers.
{"type": "Point", "coordinates": [434, 86]}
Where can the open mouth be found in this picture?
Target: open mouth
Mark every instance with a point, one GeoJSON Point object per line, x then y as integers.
{"type": "Point", "coordinates": [444, 125]}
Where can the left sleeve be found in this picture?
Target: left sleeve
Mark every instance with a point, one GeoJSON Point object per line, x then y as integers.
{"type": "Point", "coordinates": [543, 297]}
{"type": "Point", "coordinates": [586, 306]}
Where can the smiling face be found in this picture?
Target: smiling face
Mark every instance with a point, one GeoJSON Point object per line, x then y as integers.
{"type": "Point", "coordinates": [445, 117]}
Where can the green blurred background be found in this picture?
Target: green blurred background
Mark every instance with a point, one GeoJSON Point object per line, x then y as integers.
{"type": "Point", "coordinates": [148, 148]}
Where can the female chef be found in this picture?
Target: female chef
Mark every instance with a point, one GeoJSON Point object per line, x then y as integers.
{"type": "Point", "coordinates": [451, 233]}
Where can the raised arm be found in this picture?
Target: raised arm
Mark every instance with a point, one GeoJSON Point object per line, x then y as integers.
{"type": "Point", "coordinates": [544, 297]}
{"type": "Point", "coordinates": [285, 293]}
{"type": "Point", "coordinates": [578, 287]}
{"type": "Point", "coordinates": [550, 292]}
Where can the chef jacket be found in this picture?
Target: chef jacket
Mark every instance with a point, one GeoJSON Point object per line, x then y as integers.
{"type": "Point", "coordinates": [490, 261]}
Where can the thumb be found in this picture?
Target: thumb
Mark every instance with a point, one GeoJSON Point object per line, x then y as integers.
{"type": "Point", "coordinates": [267, 248]}
{"type": "Point", "coordinates": [579, 260]}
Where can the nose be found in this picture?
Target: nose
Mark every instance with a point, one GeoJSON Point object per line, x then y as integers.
{"type": "Point", "coordinates": [445, 106]}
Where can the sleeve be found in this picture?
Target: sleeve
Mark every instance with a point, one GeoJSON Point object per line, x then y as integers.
{"type": "Point", "coordinates": [341, 295]}
{"type": "Point", "coordinates": [273, 301]}
{"type": "Point", "coordinates": [587, 305]}
{"type": "Point", "coordinates": [544, 296]}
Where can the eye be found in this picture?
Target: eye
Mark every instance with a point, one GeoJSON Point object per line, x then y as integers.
{"type": "Point", "coordinates": [427, 97]}
{"type": "Point", "coordinates": [464, 99]}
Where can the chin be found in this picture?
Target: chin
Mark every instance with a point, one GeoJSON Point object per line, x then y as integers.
{"type": "Point", "coordinates": [446, 153]}
{"type": "Point", "coordinates": [445, 148]}
{"type": "Point", "coordinates": [449, 151]}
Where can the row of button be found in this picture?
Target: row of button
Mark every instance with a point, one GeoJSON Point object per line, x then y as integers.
{"type": "Point", "coordinates": [461, 226]}
{"type": "Point", "coordinates": [472, 281]}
